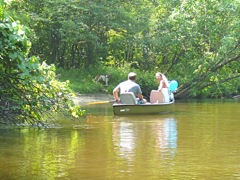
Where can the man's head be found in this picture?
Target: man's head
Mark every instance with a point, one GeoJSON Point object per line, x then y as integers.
{"type": "Point", "coordinates": [132, 76]}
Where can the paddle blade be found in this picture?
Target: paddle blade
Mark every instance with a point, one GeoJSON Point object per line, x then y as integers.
{"type": "Point", "coordinates": [101, 102]}
{"type": "Point", "coordinates": [173, 85]}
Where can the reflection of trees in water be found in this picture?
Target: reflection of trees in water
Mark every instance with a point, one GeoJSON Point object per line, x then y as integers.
{"type": "Point", "coordinates": [53, 152]}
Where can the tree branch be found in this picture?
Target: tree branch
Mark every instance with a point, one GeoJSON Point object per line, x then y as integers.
{"type": "Point", "coordinates": [222, 81]}
{"type": "Point", "coordinates": [220, 65]}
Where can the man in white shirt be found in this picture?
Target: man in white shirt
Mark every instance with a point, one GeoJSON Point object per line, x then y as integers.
{"type": "Point", "coordinates": [129, 86]}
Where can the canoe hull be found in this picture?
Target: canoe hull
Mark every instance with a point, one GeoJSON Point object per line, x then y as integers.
{"type": "Point", "coordinates": [123, 109]}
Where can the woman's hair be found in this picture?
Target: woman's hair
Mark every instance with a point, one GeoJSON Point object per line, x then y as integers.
{"type": "Point", "coordinates": [159, 74]}
{"type": "Point", "coordinates": [164, 78]}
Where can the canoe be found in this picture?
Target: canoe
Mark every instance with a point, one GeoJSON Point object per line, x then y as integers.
{"type": "Point", "coordinates": [148, 108]}
{"type": "Point", "coordinates": [129, 106]}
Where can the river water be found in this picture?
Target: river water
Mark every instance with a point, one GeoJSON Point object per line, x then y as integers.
{"type": "Point", "coordinates": [198, 140]}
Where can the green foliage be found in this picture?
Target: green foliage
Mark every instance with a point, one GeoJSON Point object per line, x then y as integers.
{"type": "Point", "coordinates": [195, 42]}
{"type": "Point", "coordinates": [82, 80]}
{"type": "Point", "coordinates": [28, 89]}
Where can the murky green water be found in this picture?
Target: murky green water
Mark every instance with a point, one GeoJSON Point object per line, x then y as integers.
{"type": "Point", "coordinates": [200, 140]}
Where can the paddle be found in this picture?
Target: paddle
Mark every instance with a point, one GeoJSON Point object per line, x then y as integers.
{"type": "Point", "coordinates": [101, 102]}
{"type": "Point", "coordinates": [173, 85]}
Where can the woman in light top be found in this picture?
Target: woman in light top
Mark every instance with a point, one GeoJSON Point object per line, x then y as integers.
{"type": "Point", "coordinates": [163, 86]}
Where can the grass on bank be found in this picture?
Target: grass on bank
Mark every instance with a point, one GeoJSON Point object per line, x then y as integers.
{"type": "Point", "coordinates": [81, 81]}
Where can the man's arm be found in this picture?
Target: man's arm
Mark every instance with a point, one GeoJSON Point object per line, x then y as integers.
{"type": "Point", "coordinates": [140, 96]}
{"type": "Point", "coordinates": [115, 94]}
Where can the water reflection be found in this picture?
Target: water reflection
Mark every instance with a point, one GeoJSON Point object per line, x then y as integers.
{"type": "Point", "coordinates": [160, 133]}
{"type": "Point", "coordinates": [167, 133]}
{"type": "Point", "coordinates": [124, 138]}
{"type": "Point", "coordinates": [38, 154]}
{"type": "Point", "coordinates": [198, 141]}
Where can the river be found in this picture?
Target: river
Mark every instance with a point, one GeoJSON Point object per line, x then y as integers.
{"type": "Point", "coordinates": [198, 140]}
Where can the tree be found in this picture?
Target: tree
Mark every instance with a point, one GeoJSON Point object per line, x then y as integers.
{"type": "Point", "coordinates": [193, 41]}
{"type": "Point", "coordinates": [199, 45]}
{"type": "Point", "coordinates": [29, 90]}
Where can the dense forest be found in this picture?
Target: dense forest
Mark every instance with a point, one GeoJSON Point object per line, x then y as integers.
{"type": "Point", "coordinates": [196, 42]}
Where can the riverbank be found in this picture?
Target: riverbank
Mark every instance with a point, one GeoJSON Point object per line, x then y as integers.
{"type": "Point", "coordinates": [84, 99]}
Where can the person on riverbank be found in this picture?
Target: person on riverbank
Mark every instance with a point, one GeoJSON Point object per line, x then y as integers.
{"type": "Point", "coordinates": [129, 86]}
{"type": "Point", "coordinates": [163, 86]}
